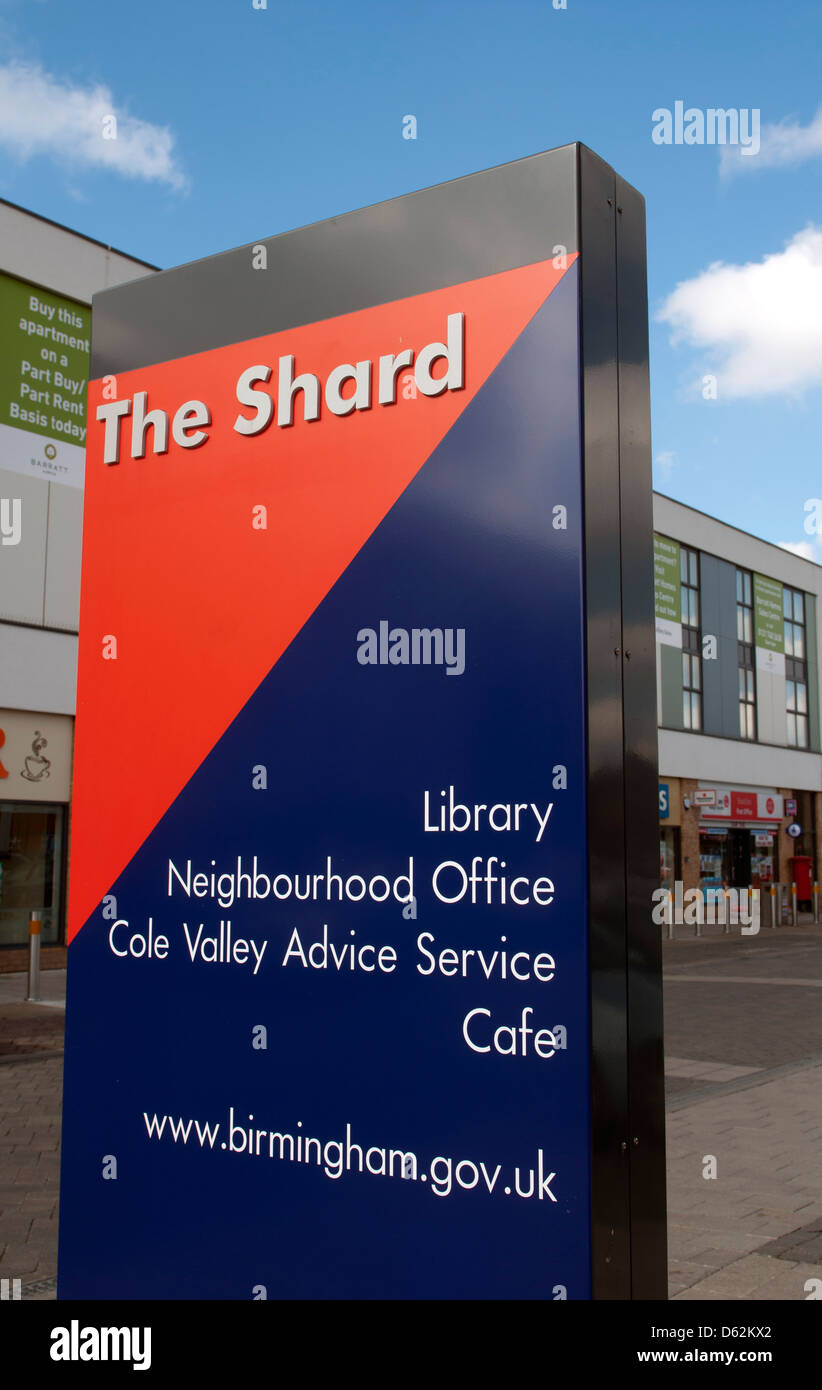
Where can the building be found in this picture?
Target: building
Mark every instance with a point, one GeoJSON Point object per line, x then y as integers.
{"type": "Point", "coordinates": [48, 275]}
{"type": "Point", "coordinates": [738, 631]}
{"type": "Point", "coordinates": [738, 638]}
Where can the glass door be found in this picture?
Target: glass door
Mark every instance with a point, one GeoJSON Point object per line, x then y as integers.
{"type": "Point", "coordinates": [31, 864]}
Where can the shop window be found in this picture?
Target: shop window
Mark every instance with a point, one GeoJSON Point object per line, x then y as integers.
{"type": "Point", "coordinates": [762, 859]}
{"type": "Point", "coordinates": [31, 870]}
{"type": "Point", "coordinates": [714, 859]}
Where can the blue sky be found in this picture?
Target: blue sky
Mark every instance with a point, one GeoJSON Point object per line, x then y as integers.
{"type": "Point", "coordinates": [236, 123]}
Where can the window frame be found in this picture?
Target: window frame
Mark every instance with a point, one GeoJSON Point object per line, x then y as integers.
{"type": "Point", "coordinates": [746, 663]}
{"type": "Point", "coordinates": [690, 569]}
{"type": "Point", "coordinates": [797, 722]}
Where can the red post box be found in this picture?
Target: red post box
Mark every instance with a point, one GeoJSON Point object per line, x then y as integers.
{"type": "Point", "coordinates": [802, 876]}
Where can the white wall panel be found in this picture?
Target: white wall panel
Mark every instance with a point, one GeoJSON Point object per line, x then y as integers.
{"type": "Point", "coordinates": [38, 670]}
{"type": "Point", "coordinates": [735, 762]}
{"type": "Point", "coordinates": [60, 259]}
{"type": "Point", "coordinates": [23, 566]}
{"type": "Point", "coordinates": [65, 537]}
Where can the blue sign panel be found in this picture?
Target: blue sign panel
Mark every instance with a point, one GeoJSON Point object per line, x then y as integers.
{"type": "Point", "coordinates": [330, 1000]}
{"type": "Point", "coordinates": [664, 801]}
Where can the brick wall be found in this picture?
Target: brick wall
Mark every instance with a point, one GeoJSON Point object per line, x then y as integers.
{"type": "Point", "coordinates": [17, 958]}
{"type": "Point", "coordinates": [784, 845]}
{"type": "Point", "coordinates": [690, 836]}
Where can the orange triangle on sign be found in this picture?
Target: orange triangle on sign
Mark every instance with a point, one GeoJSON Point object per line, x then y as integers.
{"type": "Point", "coordinates": [201, 599]}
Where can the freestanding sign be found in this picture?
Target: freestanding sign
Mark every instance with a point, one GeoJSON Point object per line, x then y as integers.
{"type": "Point", "coordinates": [364, 993]}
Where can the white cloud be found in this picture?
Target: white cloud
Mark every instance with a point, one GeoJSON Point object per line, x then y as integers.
{"type": "Point", "coordinates": [665, 461]}
{"type": "Point", "coordinates": [759, 325]}
{"type": "Point", "coordinates": [40, 114]}
{"type": "Point", "coordinates": [809, 550]}
{"type": "Point", "coordinates": [783, 144]}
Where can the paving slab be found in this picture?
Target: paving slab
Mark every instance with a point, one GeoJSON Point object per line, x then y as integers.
{"type": "Point", "coordinates": [744, 1084]}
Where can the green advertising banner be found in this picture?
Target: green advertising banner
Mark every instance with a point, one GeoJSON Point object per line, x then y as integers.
{"type": "Point", "coordinates": [44, 363]}
{"type": "Point", "coordinates": [666, 579]}
{"type": "Point", "coordinates": [769, 632]}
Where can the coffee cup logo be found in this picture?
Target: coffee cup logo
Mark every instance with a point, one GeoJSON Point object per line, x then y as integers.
{"type": "Point", "coordinates": [37, 767]}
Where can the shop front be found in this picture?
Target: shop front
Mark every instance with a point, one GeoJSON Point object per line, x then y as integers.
{"type": "Point", "coordinates": [670, 847]}
{"type": "Point", "coordinates": [736, 856]}
{"type": "Point", "coordinates": [35, 783]}
{"type": "Point", "coordinates": [738, 836]}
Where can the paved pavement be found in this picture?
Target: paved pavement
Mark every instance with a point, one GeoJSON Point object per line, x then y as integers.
{"type": "Point", "coordinates": [743, 1039]}
{"type": "Point", "coordinates": [31, 1085]}
{"type": "Point", "coordinates": [743, 1031]}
